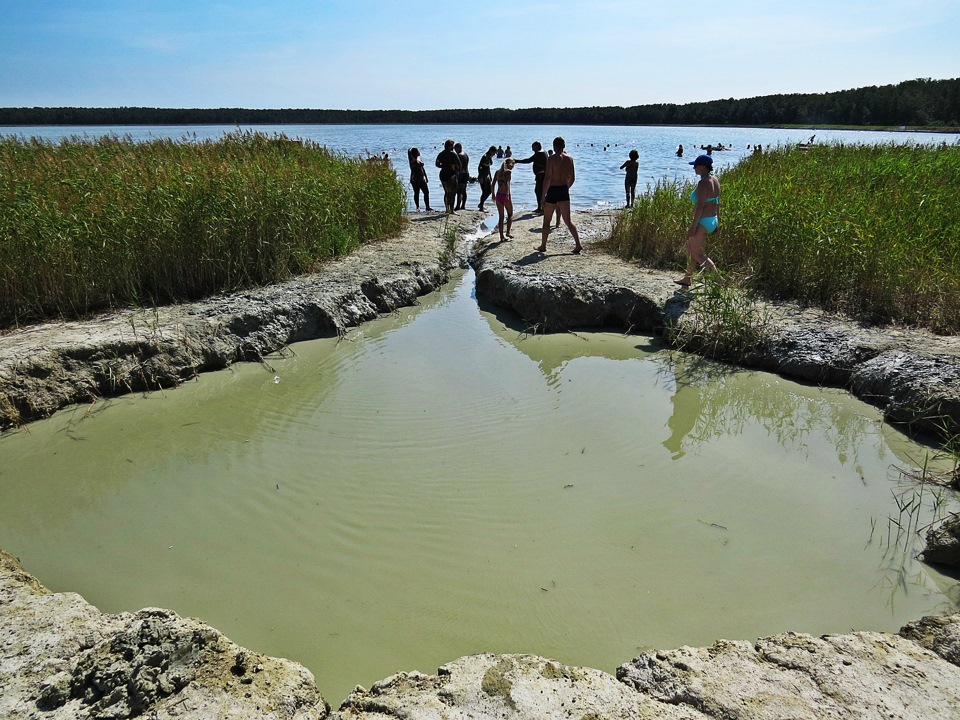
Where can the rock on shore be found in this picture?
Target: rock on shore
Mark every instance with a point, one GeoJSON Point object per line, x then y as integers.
{"type": "Point", "coordinates": [61, 658]}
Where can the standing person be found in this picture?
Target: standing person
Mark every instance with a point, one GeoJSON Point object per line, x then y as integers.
{"type": "Point", "coordinates": [418, 178]}
{"type": "Point", "coordinates": [449, 163]}
{"type": "Point", "coordinates": [499, 151]}
{"type": "Point", "coordinates": [501, 193]}
{"type": "Point", "coordinates": [632, 166]}
{"type": "Point", "coordinates": [558, 179]}
{"type": "Point", "coordinates": [462, 177]}
{"type": "Point", "coordinates": [706, 218]}
{"type": "Point", "coordinates": [539, 160]}
{"type": "Point", "coordinates": [508, 152]}
{"type": "Point", "coordinates": [483, 175]}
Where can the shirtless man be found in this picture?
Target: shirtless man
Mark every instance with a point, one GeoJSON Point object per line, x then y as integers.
{"type": "Point", "coordinates": [559, 177]}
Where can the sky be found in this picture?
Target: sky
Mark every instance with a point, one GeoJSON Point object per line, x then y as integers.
{"type": "Point", "coordinates": [426, 55]}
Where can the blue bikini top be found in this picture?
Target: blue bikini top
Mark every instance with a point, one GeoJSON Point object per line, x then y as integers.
{"type": "Point", "coordinates": [693, 198]}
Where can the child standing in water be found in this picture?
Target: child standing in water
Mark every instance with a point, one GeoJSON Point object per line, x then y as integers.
{"type": "Point", "coordinates": [501, 194]}
{"type": "Point", "coordinates": [632, 166]}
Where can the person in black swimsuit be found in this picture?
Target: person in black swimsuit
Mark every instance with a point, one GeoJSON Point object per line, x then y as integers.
{"type": "Point", "coordinates": [539, 160]}
{"type": "Point", "coordinates": [559, 177]}
{"type": "Point", "coordinates": [449, 163]}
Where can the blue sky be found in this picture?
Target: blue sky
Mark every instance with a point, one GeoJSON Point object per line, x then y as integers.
{"type": "Point", "coordinates": [380, 54]}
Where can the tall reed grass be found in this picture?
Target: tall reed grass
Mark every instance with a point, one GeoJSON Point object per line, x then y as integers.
{"type": "Point", "coordinates": [92, 224]}
{"type": "Point", "coordinates": [872, 231]}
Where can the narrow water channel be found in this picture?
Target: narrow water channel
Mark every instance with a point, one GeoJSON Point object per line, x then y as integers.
{"type": "Point", "coordinates": [438, 484]}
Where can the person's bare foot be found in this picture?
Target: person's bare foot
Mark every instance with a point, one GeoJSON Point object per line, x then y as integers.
{"type": "Point", "coordinates": [539, 249]}
{"type": "Point", "coordinates": [684, 281]}
{"type": "Point", "coordinates": [578, 249]}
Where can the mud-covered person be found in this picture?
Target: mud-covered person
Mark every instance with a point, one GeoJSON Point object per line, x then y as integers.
{"type": "Point", "coordinates": [558, 179]}
{"type": "Point", "coordinates": [449, 163]}
{"type": "Point", "coordinates": [485, 176]}
{"type": "Point", "coordinates": [462, 177]}
{"type": "Point", "coordinates": [418, 179]}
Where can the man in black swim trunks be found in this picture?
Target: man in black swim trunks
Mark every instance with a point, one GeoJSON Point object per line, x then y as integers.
{"type": "Point", "coordinates": [558, 178]}
{"type": "Point", "coordinates": [539, 160]}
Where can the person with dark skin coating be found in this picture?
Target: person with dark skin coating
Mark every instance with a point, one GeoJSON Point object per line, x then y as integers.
{"type": "Point", "coordinates": [418, 178]}
{"type": "Point", "coordinates": [484, 177]}
{"type": "Point", "coordinates": [462, 177]}
{"type": "Point", "coordinates": [449, 163]}
{"type": "Point", "coordinates": [539, 160]}
{"type": "Point", "coordinates": [558, 179]}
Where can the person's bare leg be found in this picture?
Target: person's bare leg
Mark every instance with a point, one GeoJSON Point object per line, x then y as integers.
{"type": "Point", "coordinates": [696, 255]}
{"type": "Point", "coordinates": [564, 209]}
{"type": "Point", "coordinates": [548, 209]}
{"type": "Point", "coordinates": [500, 221]}
{"type": "Point", "coordinates": [509, 218]}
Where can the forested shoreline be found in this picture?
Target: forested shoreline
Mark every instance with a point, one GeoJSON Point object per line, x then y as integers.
{"type": "Point", "coordinates": [915, 104]}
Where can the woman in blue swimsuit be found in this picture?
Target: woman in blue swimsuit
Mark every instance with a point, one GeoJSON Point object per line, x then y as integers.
{"type": "Point", "coordinates": [706, 218]}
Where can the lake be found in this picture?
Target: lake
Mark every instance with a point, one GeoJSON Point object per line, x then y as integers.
{"type": "Point", "coordinates": [599, 151]}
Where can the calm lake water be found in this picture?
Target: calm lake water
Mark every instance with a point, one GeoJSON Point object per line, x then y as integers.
{"type": "Point", "coordinates": [438, 484]}
{"type": "Point", "coordinates": [599, 151]}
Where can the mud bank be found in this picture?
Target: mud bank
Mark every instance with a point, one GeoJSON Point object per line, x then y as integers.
{"type": "Point", "coordinates": [912, 375]}
{"type": "Point", "coordinates": [61, 658]}
{"type": "Point", "coordinates": [46, 367]}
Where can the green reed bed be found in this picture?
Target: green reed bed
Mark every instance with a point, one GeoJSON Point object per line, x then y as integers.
{"type": "Point", "coordinates": [92, 224]}
{"type": "Point", "coordinates": [868, 230]}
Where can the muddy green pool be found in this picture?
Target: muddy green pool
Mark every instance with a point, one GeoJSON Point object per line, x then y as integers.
{"type": "Point", "coordinates": [439, 483]}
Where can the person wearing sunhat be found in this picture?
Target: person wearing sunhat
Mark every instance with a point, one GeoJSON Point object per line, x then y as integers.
{"type": "Point", "coordinates": [706, 218]}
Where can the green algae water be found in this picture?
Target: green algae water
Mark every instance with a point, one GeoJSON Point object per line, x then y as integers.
{"type": "Point", "coordinates": [437, 484]}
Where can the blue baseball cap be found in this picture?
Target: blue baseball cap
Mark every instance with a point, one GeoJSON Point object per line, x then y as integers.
{"type": "Point", "coordinates": [702, 160]}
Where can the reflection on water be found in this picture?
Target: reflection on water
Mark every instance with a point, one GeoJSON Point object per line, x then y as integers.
{"type": "Point", "coordinates": [437, 484]}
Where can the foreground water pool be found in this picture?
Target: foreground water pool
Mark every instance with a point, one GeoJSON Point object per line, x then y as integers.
{"type": "Point", "coordinates": [438, 484]}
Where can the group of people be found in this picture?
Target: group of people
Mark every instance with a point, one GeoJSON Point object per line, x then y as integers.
{"type": "Point", "coordinates": [554, 175]}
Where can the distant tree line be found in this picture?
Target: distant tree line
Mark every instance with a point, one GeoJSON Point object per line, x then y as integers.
{"type": "Point", "coordinates": [914, 103]}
